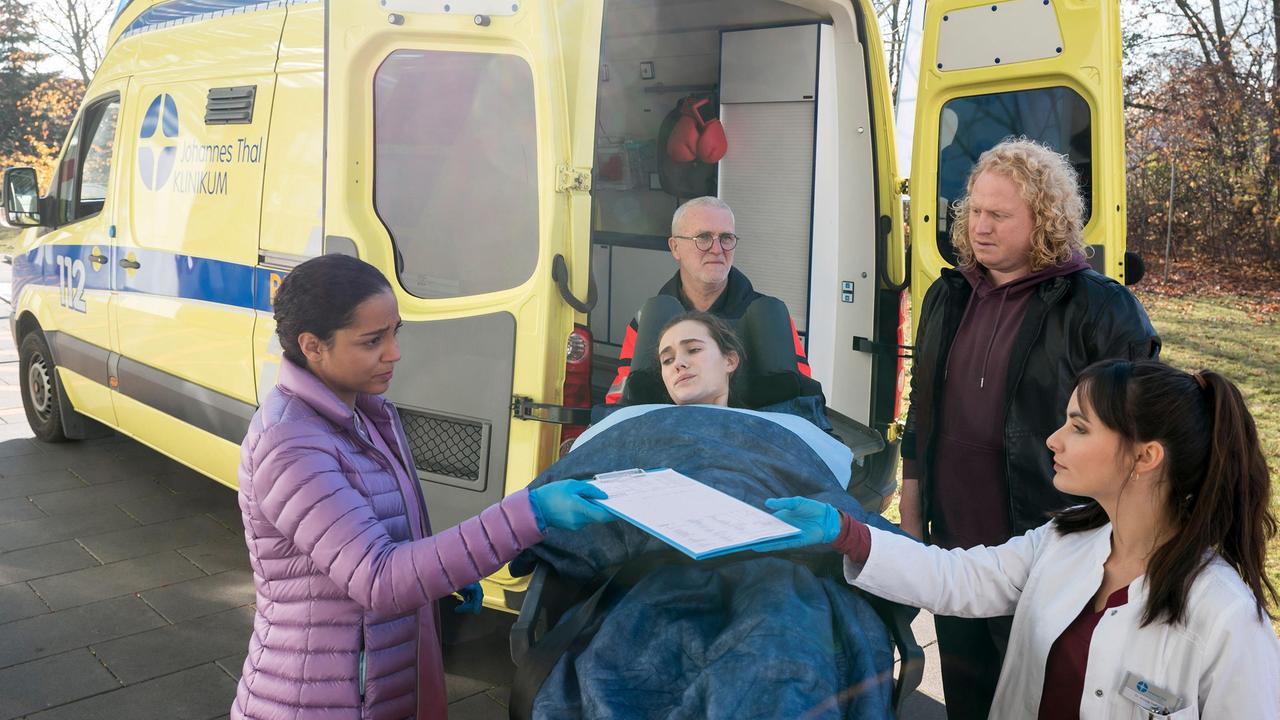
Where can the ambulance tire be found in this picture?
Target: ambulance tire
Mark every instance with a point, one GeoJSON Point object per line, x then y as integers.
{"type": "Point", "coordinates": [40, 388]}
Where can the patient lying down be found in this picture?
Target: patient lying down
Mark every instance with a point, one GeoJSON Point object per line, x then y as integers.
{"type": "Point", "coordinates": [699, 355]}
{"type": "Point", "coordinates": [749, 636]}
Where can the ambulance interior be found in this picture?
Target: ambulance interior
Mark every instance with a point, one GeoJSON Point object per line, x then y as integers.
{"type": "Point", "coordinates": [788, 82]}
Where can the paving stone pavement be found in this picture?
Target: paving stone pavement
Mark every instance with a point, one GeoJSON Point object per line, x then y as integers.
{"type": "Point", "coordinates": [125, 588]}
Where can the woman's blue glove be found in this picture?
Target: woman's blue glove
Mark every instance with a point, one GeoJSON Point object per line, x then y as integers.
{"type": "Point", "coordinates": [563, 504]}
{"type": "Point", "coordinates": [472, 599]}
{"type": "Point", "coordinates": [819, 523]}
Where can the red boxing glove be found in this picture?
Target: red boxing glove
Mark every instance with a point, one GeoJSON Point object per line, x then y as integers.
{"type": "Point", "coordinates": [712, 144]}
{"type": "Point", "coordinates": [682, 145]}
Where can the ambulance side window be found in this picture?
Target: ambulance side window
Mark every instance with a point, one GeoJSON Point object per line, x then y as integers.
{"type": "Point", "coordinates": [969, 126]}
{"type": "Point", "coordinates": [455, 170]}
{"type": "Point", "coordinates": [81, 184]}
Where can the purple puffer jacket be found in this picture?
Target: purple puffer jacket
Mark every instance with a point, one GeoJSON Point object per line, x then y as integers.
{"type": "Point", "coordinates": [345, 578]}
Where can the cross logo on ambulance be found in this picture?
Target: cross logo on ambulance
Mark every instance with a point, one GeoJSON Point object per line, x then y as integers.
{"type": "Point", "coordinates": [157, 157]}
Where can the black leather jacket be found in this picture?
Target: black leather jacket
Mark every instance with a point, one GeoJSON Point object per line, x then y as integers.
{"type": "Point", "coordinates": [1071, 322]}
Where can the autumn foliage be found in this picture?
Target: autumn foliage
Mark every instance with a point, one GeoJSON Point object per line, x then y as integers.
{"type": "Point", "coordinates": [44, 117]}
{"type": "Point", "coordinates": [1203, 128]}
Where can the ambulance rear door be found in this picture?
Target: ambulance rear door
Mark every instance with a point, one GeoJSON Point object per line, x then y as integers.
{"type": "Point", "coordinates": [1048, 70]}
{"type": "Point", "coordinates": [454, 163]}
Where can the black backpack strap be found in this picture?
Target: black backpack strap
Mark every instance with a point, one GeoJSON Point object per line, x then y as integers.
{"type": "Point", "coordinates": [897, 619]}
{"type": "Point", "coordinates": [544, 655]}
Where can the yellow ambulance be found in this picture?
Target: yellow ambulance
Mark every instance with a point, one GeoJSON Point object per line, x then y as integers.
{"type": "Point", "coordinates": [502, 162]}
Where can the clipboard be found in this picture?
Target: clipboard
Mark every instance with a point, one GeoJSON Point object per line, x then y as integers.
{"type": "Point", "coordinates": [696, 519]}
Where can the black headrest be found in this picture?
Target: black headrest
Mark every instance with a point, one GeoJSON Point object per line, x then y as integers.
{"type": "Point", "coordinates": [767, 376]}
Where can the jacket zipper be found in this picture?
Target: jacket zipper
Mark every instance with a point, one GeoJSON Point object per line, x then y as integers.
{"type": "Point", "coordinates": [389, 464]}
{"type": "Point", "coordinates": [368, 441]}
{"type": "Point", "coordinates": [1048, 304]}
{"type": "Point", "coordinates": [405, 456]}
{"type": "Point", "coordinates": [413, 478]}
{"type": "Point", "coordinates": [939, 379]}
{"type": "Point", "coordinates": [361, 665]}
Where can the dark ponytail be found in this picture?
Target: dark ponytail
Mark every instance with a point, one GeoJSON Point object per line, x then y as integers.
{"type": "Point", "coordinates": [1233, 511]}
{"type": "Point", "coordinates": [320, 296]}
{"type": "Point", "coordinates": [1219, 484]}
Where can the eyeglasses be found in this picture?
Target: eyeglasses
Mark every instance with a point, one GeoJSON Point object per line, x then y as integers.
{"type": "Point", "coordinates": [703, 241]}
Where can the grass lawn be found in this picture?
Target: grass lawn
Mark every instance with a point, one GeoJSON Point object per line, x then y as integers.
{"type": "Point", "coordinates": [1240, 338]}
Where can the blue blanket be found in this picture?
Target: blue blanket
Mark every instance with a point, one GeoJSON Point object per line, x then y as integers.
{"type": "Point", "coordinates": [753, 636]}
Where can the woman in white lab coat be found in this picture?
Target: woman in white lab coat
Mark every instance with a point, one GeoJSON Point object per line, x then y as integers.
{"type": "Point", "coordinates": [1146, 601]}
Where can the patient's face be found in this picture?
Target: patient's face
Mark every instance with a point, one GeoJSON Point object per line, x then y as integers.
{"type": "Point", "coordinates": [693, 368]}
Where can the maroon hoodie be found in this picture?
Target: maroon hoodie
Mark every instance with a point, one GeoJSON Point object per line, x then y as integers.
{"type": "Point", "coordinates": [970, 493]}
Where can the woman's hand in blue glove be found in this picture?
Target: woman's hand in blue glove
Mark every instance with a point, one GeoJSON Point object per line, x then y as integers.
{"type": "Point", "coordinates": [564, 505]}
{"type": "Point", "coordinates": [472, 599]}
{"type": "Point", "coordinates": [819, 523]}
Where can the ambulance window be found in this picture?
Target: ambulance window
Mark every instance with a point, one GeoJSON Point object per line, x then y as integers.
{"type": "Point", "coordinates": [969, 126]}
{"type": "Point", "coordinates": [86, 165]}
{"type": "Point", "coordinates": [455, 160]}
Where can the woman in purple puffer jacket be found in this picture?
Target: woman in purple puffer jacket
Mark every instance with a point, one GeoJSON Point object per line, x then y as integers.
{"type": "Point", "coordinates": [346, 568]}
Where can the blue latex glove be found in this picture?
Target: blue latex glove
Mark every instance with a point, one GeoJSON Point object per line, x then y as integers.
{"type": "Point", "coordinates": [819, 523]}
{"type": "Point", "coordinates": [472, 599]}
{"type": "Point", "coordinates": [564, 504]}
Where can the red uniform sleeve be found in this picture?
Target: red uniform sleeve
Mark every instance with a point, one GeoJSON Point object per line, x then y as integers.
{"type": "Point", "coordinates": [624, 365]}
{"type": "Point", "coordinates": [802, 362]}
{"type": "Point", "coordinates": [854, 540]}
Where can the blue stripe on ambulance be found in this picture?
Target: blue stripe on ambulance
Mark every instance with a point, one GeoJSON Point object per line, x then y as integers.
{"type": "Point", "coordinates": [162, 273]}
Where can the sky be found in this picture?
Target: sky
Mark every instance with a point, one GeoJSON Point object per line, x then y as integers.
{"type": "Point", "coordinates": [54, 63]}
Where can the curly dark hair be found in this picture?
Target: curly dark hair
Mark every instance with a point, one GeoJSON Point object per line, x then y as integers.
{"type": "Point", "coordinates": [320, 296]}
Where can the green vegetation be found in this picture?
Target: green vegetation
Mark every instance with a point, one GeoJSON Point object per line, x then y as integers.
{"type": "Point", "coordinates": [1240, 338]}
{"type": "Point", "coordinates": [1235, 336]}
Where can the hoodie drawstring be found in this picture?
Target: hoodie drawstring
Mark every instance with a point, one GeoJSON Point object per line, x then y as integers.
{"type": "Point", "coordinates": [991, 341]}
{"type": "Point", "coordinates": [995, 327]}
{"type": "Point", "coordinates": [946, 369]}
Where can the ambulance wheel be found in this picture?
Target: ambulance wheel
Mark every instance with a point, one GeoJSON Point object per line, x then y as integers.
{"type": "Point", "coordinates": [40, 388]}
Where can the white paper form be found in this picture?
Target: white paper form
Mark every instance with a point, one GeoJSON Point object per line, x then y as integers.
{"type": "Point", "coordinates": [698, 520]}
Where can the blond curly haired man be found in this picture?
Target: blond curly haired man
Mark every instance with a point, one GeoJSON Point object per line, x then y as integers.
{"type": "Point", "coordinates": [1000, 341]}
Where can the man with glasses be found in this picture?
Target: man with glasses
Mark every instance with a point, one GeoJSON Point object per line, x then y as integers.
{"type": "Point", "coordinates": [702, 242]}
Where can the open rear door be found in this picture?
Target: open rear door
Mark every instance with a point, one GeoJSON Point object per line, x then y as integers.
{"type": "Point", "coordinates": [458, 140]}
{"type": "Point", "coordinates": [1045, 69]}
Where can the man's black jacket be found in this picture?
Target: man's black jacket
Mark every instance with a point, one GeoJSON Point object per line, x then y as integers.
{"type": "Point", "coordinates": [1071, 322]}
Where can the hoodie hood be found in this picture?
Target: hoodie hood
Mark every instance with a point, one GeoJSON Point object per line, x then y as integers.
{"type": "Point", "coordinates": [993, 310]}
{"type": "Point", "coordinates": [981, 283]}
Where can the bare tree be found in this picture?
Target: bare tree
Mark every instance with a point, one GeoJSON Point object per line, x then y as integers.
{"type": "Point", "coordinates": [1202, 93]}
{"type": "Point", "coordinates": [71, 29]}
{"type": "Point", "coordinates": [893, 16]}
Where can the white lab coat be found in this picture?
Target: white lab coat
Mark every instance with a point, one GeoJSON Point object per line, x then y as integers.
{"type": "Point", "coordinates": [1224, 663]}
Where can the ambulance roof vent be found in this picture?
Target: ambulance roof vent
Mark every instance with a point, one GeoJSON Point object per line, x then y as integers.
{"type": "Point", "coordinates": [230, 105]}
